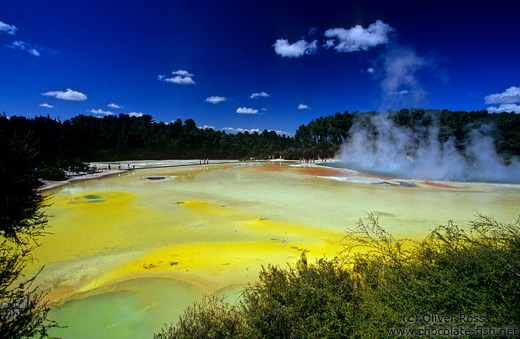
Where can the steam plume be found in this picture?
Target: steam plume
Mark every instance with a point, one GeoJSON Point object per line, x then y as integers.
{"type": "Point", "coordinates": [399, 84]}
{"type": "Point", "coordinates": [387, 149]}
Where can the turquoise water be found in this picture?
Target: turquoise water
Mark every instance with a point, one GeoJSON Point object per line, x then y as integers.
{"type": "Point", "coordinates": [132, 309]}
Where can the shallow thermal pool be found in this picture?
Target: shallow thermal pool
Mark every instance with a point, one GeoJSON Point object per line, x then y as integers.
{"type": "Point", "coordinates": [129, 252]}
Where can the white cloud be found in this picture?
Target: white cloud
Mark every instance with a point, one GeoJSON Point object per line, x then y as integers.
{"type": "Point", "coordinates": [207, 127]}
{"type": "Point", "coordinates": [215, 99]}
{"type": "Point", "coordinates": [115, 106]}
{"type": "Point", "coordinates": [46, 105]}
{"type": "Point", "coordinates": [23, 46]}
{"type": "Point", "coordinates": [245, 110]}
{"type": "Point", "coordinates": [296, 50]}
{"type": "Point", "coordinates": [371, 70]}
{"type": "Point", "coordinates": [259, 95]}
{"type": "Point", "coordinates": [507, 101]}
{"type": "Point", "coordinates": [510, 96]}
{"type": "Point", "coordinates": [9, 29]}
{"type": "Point", "coordinates": [182, 73]}
{"type": "Point", "coordinates": [240, 130]}
{"type": "Point", "coordinates": [358, 38]}
{"type": "Point", "coordinates": [67, 95]}
{"type": "Point", "coordinates": [181, 77]}
{"type": "Point", "coordinates": [329, 43]}
{"type": "Point", "coordinates": [302, 106]}
{"type": "Point", "coordinates": [252, 130]}
{"type": "Point", "coordinates": [403, 92]}
{"type": "Point", "coordinates": [505, 108]}
{"type": "Point", "coordinates": [180, 80]}
{"type": "Point", "coordinates": [100, 112]}
{"type": "Point", "coordinates": [135, 114]}
{"type": "Point", "coordinates": [287, 134]}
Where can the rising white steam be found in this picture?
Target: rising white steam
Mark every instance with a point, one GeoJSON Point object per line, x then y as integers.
{"type": "Point", "coordinates": [399, 84]}
{"type": "Point", "coordinates": [398, 152]}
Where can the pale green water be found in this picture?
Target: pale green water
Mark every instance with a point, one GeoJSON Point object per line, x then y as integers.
{"type": "Point", "coordinates": [128, 255]}
{"type": "Point", "coordinates": [132, 309]}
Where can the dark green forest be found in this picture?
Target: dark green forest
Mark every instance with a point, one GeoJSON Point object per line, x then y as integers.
{"type": "Point", "coordinates": [111, 138]}
{"type": "Point", "coordinates": [87, 138]}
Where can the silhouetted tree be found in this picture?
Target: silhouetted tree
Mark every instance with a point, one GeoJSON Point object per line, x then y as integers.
{"type": "Point", "coordinates": [23, 314]}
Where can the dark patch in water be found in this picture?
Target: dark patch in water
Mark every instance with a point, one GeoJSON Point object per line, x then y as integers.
{"type": "Point", "coordinates": [385, 183]}
{"type": "Point", "coordinates": [87, 199]}
{"type": "Point", "coordinates": [300, 249]}
{"type": "Point", "coordinates": [406, 183]}
{"type": "Point", "coordinates": [94, 201]}
{"type": "Point", "coordinates": [384, 214]}
{"type": "Point", "coordinates": [92, 196]}
{"type": "Point", "coordinates": [155, 178]}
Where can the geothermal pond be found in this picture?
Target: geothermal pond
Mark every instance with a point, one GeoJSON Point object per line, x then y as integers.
{"type": "Point", "coordinates": [129, 252]}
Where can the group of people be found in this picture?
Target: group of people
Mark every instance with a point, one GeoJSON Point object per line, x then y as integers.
{"type": "Point", "coordinates": [77, 170]}
{"type": "Point", "coordinates": [119, 166]}
{"type": "Point", "coordinates": [91, 169]}
{"type": "Point", "coordinates": [312, 161]}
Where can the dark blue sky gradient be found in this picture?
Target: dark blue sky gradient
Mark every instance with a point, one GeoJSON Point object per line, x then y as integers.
{"type": "Point", "coordinates": [114, 51]}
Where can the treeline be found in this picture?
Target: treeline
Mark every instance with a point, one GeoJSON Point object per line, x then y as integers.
{"type": "Point", "coordinates": [324, 135]}
{"type": "Point", "coordinates": [87, 138]}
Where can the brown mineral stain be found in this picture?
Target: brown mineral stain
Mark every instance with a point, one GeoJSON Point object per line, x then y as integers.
{"type": "Point", "coordinates": [316, 171]}
{"type": "Point", "coordinates": [437, 184]}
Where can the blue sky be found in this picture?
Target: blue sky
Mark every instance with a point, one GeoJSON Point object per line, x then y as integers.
{"type": "Point", "coordinates": [256, 64]}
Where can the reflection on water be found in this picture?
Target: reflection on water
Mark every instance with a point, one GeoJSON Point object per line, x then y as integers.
{"type": "Point", "coordinates": [120, 243]}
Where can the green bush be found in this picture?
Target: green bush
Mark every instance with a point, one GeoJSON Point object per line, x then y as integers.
{"type": "Point", "coordinates": [451, 272]}
{"type": "Point", "coordinates": [23, 310]}
{"type": "Point", "coordinates": [51, 173]}
{"type": "Point", "coordinates": [307, 301]}
{"type": "Point", "coordinates": [209, 318]}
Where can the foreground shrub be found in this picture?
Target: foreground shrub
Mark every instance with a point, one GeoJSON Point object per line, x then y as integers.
{"type": "Point", "coordinates": [23, 310]}
{"type": "Point", "coordinates": [209, 318]}
{"type": "Point", "coordinates": [473, 273]}
{"type": "Point", "coordinates": [51, 173]}
{"type": "Point", "coordinates": [307, 301]}
{"type": "Point", "coordinates": [450, 272]}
